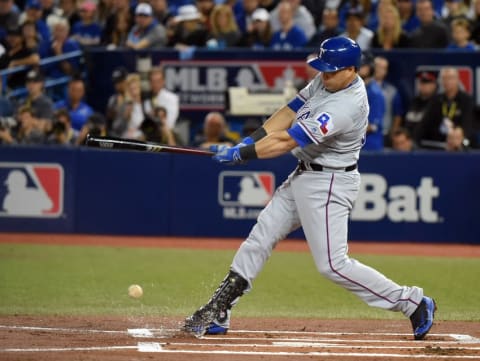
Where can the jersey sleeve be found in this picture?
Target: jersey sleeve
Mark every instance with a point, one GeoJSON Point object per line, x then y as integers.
{"type": "Point", "coordinates": [303, 95]}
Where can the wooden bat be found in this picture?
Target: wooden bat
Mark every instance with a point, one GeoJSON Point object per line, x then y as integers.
{"type": "Point", "coordinates": [130, 144]}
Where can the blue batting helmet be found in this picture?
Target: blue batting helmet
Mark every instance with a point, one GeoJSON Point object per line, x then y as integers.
{"type": "Point", "coordinates": [337, 53]}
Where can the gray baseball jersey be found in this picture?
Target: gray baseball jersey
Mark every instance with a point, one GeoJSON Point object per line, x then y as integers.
{"type": "Point", "coordinates": [330, 129]}
{"type": "Point", "coordinates": [335, 123]}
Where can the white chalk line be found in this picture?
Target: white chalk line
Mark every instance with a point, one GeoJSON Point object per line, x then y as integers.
{"type": "Point", "coordinates": [339, 340]}
{"type": "Point", "coordinates": [304, 345]}
{"type": "Point", "coordinates": [276, 342]}
{"type": "Point", "coordinates": [143, 332]}
{"type": "Point", "coordinates": [154, 347]}
{"type": "Point", "coordinates": [384, 356]}
{"type": "Point", "coordinates": [59, 329]}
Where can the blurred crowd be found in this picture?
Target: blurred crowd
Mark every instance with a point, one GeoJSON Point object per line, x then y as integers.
{"type": "Point", "coordinates": [441, 116]}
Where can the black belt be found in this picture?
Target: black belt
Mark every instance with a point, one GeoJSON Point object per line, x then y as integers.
{"type": "Point", "coordinates": [320, 168]}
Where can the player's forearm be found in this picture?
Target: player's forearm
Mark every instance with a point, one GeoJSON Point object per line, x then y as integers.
{"type": "Point", "coordinates": [280, 120]}
{"type": "Point", "coordinates": [274, 145]}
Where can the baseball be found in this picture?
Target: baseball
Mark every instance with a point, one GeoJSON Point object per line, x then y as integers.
{"type": "Point", "coordinates": [135, 291]}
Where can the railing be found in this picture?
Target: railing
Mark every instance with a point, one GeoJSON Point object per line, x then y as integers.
{"type": "Point", "coordinates": [18, 92]}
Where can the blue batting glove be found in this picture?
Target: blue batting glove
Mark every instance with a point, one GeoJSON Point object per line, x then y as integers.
{"type": "Point", "coordinates": [228, 155]}
{"type": "Point", "coordinates": [215, 148]}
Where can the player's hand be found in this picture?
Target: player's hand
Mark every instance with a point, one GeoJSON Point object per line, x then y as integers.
{"type": "Point", "coordinates": [216, 148]}
{"type": "Point", "coordinates": [228, 155]}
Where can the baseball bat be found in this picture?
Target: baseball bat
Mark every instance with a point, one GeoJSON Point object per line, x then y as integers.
{"type": "Point", "coordinates": [130, 144]}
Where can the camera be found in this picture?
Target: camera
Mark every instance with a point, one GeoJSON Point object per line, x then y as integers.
{"type": "Point", "coordinates": [7, 123]}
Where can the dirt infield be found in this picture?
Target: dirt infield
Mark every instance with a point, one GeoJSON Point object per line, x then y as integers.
{"type": "Point", "coordinates": [103, 338]}
{"type": "Point", "coordinates": [402, 248]}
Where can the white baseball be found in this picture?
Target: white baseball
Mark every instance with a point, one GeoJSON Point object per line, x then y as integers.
{"type": "Point", "coordinates": [135, 291]}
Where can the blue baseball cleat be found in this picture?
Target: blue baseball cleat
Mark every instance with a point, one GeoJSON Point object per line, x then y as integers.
{"type": "Point", "coordinates": [214, 329]}
{"type": "Point", "coordinates": [422, 318]}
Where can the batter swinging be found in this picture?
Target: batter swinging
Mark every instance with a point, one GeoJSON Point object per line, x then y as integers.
{"type": "Point", "coordinates": [324, 126]}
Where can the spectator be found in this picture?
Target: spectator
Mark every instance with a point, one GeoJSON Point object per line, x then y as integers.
{"type": "Point", "coordinates": [214, 130]}
{"type": "Point", "coordinates": [123, 11]}
{"type": "Point", "coordinates": [456, 141]}
{"type": "Point", "coordinates": [29, 131]}
{"type": "Point", "coordinates": [6, 136]}
{"type": "Point", "coordinates": [116, 101]}
{"type": "Point", "coordinates": [146, 33]}
{"type": "Point", "coordinates": [205, 8]}
{"type": "Point", "coordinates": [290, 36]}
{"type": "Point", "coordinates": [105, 8]}
{"type": "Point", "coordinates": [461, 36]}
{"type": "Point", "coordinates": [427, 88]}
{"type": "Point", "coordinates": [17, 54]}
{"type": "Point", "coordinates": [315, 8]}
{"type": "Point", "coordinates": [61, 44]}
{"type": "Point", "coordinates": [376, 101]}
{"type": "Point", "coordinates": [259, 34]}
{"type": "Point", "coordinates": [162, 97]}
{"type": "Point", "coordinates": [356, 30]}
{"type": "Point", "coordinates": [345, 6]}
{"type": "Point", "coordinates": [154, 128]}
{"type": "Point", "coordinates": [119, 36]}
{"type": "Point", "coordinates": [393, 101]}
{"type": "Point", "coordinates": [95, 125]}
{"type": "Point", "coordinates": [301, 18]}
{"type": "Point", "coordinates": [40, 104]}
{"type": "Point", "coordinates": [223, 28]}
{"type": "Point", "coordinates": [189, 29]}
{"type": "Point", "coordinates": [128, 122]}
{"type": "Point", "coordinates": [402, 140]}
{"type": "Point", "coordinates": [51, 13]}
{"type": "Point", "coordinates": [327, 29]}
{"type": "Point", "coordinates": [62, 132]}
{"type": "Point", "coordinates": [454, 9]}
{"type": "Point", "coordinates": [431, 33]}
{"type": "Point", "coordinates": [33, 13]}
{"type": "Point", "coordinates": [9, 17]}
{"type": "Point", "coordinates": [476, 23]}
{"type": "Point", "coordinates": [389, 34]}
{"type": "Point", "coordinates": [87, 32]}
{"type": "Point", "coordinates": [79, 110]}
{"type": "Point", "coordinates": [161, 12]}
{"type": "Point", "coordinates": [6, 106]}
{"type": "Point", "coordinates": [409, 20]}
{"type": "Point", "coordinates": [33, 40]}
{"type": "Point", "coordinates": [243, 11]}
{"type": "Point", "coordinates": [69, 11]}
{"type": "Point", "coordinates": [449, 109]}
{"type": "Point", "coordinates": [268, 5]}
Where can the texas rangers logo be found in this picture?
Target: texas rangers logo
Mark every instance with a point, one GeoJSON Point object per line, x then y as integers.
{"type": "Point", "coordinates": [325, 124]}
{"type": "Point", "coordinates": [31, 190]}
{"type": "Point", "coordinates": [245, 189]}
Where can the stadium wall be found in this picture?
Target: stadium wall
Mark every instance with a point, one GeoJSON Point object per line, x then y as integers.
{"type": "Point", "coordinates": [422, 197]}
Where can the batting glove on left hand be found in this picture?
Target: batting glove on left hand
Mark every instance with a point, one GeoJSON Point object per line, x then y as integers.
{"type": "Point", "coordinates": [228, 155]}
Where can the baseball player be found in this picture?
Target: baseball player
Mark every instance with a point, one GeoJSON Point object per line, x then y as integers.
{"type": "Point", "coordinates": [324, 126]}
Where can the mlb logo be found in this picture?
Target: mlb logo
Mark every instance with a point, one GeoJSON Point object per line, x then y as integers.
{"type": "Point", "coordinates": [247, 189]}
{"type": "Point", "coordinates": [31, 190]}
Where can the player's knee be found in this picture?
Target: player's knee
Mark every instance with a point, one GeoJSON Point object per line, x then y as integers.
{"type": "Point", "coordinates": [330, 269]}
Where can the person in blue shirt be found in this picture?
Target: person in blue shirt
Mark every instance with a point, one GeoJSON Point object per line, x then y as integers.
{"type": "Point", "coordinates": [290, 36]}
{"type": "Point", "coordinates": [61, 44]}
{"type": "Point", "coordinates": [79, 110]}
{"type": "Point", "coordinates": [461, 36]}
{"type": "Point", "coordinates": [376, 102]}
{"type": "Point", "coordinates": [87, 31]}
{"type": "Point", "coordinates": [33, 13]}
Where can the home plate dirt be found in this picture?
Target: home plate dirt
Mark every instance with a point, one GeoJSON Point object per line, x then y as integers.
{"type": "Point", "coordinates": [116, 338]}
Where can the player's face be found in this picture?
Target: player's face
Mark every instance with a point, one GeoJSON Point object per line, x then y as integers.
{"type": "Point", "coordinates": [338, 80]}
